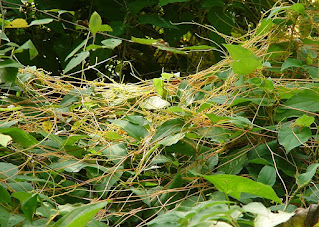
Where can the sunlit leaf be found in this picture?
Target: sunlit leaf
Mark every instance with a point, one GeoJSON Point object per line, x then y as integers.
{"type": "Point", "coordinates": [136, 131]}
{"type": "Point", "coordinates": [79, 217]}
{"type": "Point", "coordinates": [95, 23]}
{"type": "Point", "coordinates": [235, 185]}
{"type": "Point", "coordinates": [19, 136]}
{"type": "Point", "coordinates": [18, 23]}
{"type": "Point", "coordinates": [4, 140]}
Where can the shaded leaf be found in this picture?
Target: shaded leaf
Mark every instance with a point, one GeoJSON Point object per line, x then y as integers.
{"type": "Point", "coordinates": [76, 61]}
{"type": "Point", "coordinates": [306, 177]}
{"type": "Point", "coordinates": [291, 62]}
{"type": "Point", "coordinates": [267, 175]}
{"type": "Point", "coordinates": [41, 21]}
{"type": "Point", "coordinates": [291, 136]}
{"type": "Point", "coordinates": [4, 195]}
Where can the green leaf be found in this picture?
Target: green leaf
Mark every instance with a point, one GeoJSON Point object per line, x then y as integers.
{"type": "Point", "coordinates": [154, 103]}
{"type": "Point", "coordinates": [291, 136]}
{"type": "Point", "coordinates": [71, 166]}
{"type": "Point", "coordinates": [159, 86]}
{"type": "Point", "coordinates": [19, 136]}
{"type": "Point", "coordinates": [29, 205]}
{"type": "Point", "coordinates": [75, 50]}
{"type": "Point", "coordinates": [235, 185]}
{"type": "Point", "coordinates": [95, 23]}
{"type": "Point", "coordinates": [267, 175]}
{"type": "Point", "coordinates": [115, 152]}
{"type": "Point", "coordinates": [41, 21]}
{"type": "Point", "coordinates": [298, 7]}
{"type": "Point", "coordinates": [112, 136]}
{"type": "Point", "coordinates": [111, 43]}
{"type": "Point", "coordinates": [105, 28]}
{"type": "Point", "coordinates": [8, 170]}
{"type": "Point", "coordinates": [199, 47]}
{"type": "Point", "coordinates": [245, 60]}
{"type": "Point", "coordinates": [136, 131]}
{"type": "Point", "coordinates": [145, 41]}
{"type": "Point", "coordinates": [155, 20]}
{"type": "Point", "coordinates": [165, 2]}
{"type": "Point", "coordinates": [4, 195]}
{"type": "Point", "coordinates": [264, 27]}
{"type": "Point", "coordinates": [4, 140]}
{"type": "Point", "coordinates": [9, 63]}
{"type": "Point", "coordinates": [170, 140]}
{"type": "Point", "coordinates": [138, 120]}
{"type": "Point", "coordinates": [304, 121]}
{"type": "Point", "coordinates": [305, 178]}
{"type": "Point", "coordinates": [75, 61]}
{"type": "Point", "coordinates": [28, 45]}
{"type": "Point", "coordinates": [291, 62]}
{"type": "Point", "coordinates": [80, 216]}
{"type": "Point", "coordinates": [168, 128]}
{"type": "Point", "coordinates": [167, 76]}
{"type": "Point", "coordinates": [8, 74]}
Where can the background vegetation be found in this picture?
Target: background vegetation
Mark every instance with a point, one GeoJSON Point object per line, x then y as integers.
{"type": "Point", "coordinates": [224, 135]}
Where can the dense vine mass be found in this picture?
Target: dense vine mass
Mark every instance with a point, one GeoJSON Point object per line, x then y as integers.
{"type": "Point", "coordinates": [159, 113]}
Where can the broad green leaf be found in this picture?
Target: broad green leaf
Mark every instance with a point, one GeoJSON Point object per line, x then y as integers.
{"type": "Point", "coordinates": [9, 63]}
{"type": "Point", "coordinates": [8, 170]}
{"type": "Point", "coordinates": [165, 2]}
{"type": "Point", "coordinates": [170, 49]}
{"type": "Point", "coordinates": [273, 219]}
{"type": "Point", "coordinates": [256, 208]}
{"type": "Point", "coordinates": [71, 166]}
{"type": "Point", "coordinates": [233, 163]}
{"type": "Point", "coordinates": [267, 175]}
{"type": "Point", "coordinates": [291, 136]}
{"type": "Point", "coordinates": [217, 134]}
{"type": "Point", "coordinates": [264, 27]}
{"type": "Point", "coordinates": [154, 103]}
{"type": "Point", "coordinates": [111, 43]}
{"type": "Point", "coordinates": [306, 177]}
{"type": "Point", "coordinates": [245, 60]}
{"type": "Point", "coordinates": [41, 21]}
{"type": "Point", "coordinates": [291, 62]}
{"type": "Point", "coordinates": [238, 52]}
{"type": "Point", "coordinates": [29, 205]}
{"type": "Point", "coordinates": [116, 152]}
{"type": "Point", "coordinates": [183, 147]}
{"type": "Point", "coordinates": [168, 128]}
{"type": "Point", "coordinates": [19, 136]}
{"type": "Point", "coordinates": [235, 185]}
{"type": "Point", "coordinates": [17, 23]}
{"type": "Point", "coordinates": [304, 121]}
{"type": "Point", "coordinates": [4, 195]}
{"type": "Point", "coordinates": [4, 140]}
{"type": "Point", "coordinates": [8, 74]}
{"type": "Point", "coordinates": [112, 136]}
{"type": "Point", "coordinates": [246, 66]}
{"type": "Point", "coordinates": [159, 86]}
{"type": "Point", "coordinates": [241, 122]}
{"type": "Point", "coordinates": [170, 140]}
{"type": "Point", "coordinates": [105, 28]}
{"type": "Point", "coordinates": [75, 50]}
{"type": "Point", "coordinates": [138, 120]}
{"type": "Point", "coordinates": [93, 47]}
{"type": "Point", "coordinates": [95, 23]}
{"type": "Point", "coordinates": [145, 41]}
{"type": "Point", "coordinates": [136, 131]}
{"type": "Point", "coordinates": [75, 61]}
{"type": "Point", "coordinates": [215, 119]}
{"type": "Point", "coordinates": [298, 7]}
{"type": "Point", "coordinates": [79, 217]}
{"type": "Point", "coordinates": [28, 45]}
